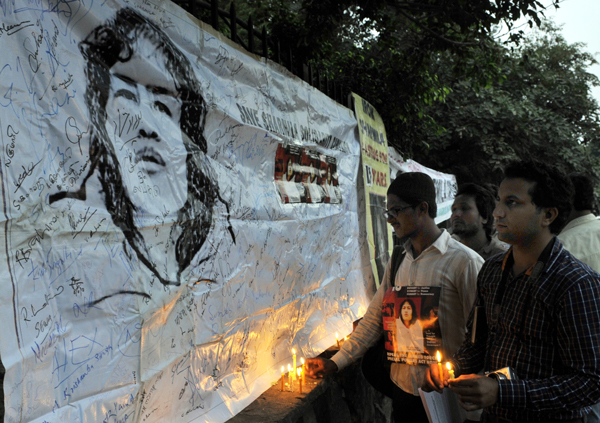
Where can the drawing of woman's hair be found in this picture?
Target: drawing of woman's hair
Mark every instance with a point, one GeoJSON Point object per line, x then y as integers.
{"type": "Point", "coordinates": [114, 42]}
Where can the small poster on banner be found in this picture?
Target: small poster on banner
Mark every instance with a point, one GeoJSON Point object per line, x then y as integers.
{"type": "Point", "coordinates": [306, 176]}
{"type": "Point", "coordinates": [410, 324]}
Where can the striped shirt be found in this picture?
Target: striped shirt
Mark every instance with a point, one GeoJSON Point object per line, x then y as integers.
{"type": "Point", "coordinates": [547, 330]}
{"type": "Point", "coordinates": [447, 264]}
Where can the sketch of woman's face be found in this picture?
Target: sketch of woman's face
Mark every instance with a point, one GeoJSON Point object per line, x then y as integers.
{"type": "Point", "coordinates": [143, 113]}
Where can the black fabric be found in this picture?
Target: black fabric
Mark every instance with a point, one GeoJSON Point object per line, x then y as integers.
{"type": "Point", "coordinates": [407, 408]}
{"type": "Point", "coordinates": [488, 418]}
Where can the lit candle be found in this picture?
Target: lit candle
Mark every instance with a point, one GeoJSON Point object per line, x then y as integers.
{"type": "Point", "coordinates": [294, 358]}
{"type": "Point", "coordinates": [439, 359]}
{"type": "Point", "coordinates": [291, 378]}
{"type": "Point", "coordinates": [299, 370]}
{"type": "Point", "coordinates": [450, 371]}
{"type": "Point", "coordinates": [303, 371]}
{"type": "Point", "coordinates": [337, 339]}
{"type": "Point", "coordinates": [282, 377]}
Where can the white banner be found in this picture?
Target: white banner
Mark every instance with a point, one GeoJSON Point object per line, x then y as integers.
{"type": "Point", "coordinates": [445, 183]}
{"type": "Point", "coordinates": [152, 269]}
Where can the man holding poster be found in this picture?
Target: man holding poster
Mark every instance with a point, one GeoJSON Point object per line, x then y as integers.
{"type": "Point", "coordinates": [437, 272]}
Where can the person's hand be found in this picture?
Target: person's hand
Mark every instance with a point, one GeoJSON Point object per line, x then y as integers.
{"type": "Point", "coordinates": [320, 367]}
{"type": "Point", "coordinates": [433, 380]}
{"type": "Point", "coordinates": [475, 391]}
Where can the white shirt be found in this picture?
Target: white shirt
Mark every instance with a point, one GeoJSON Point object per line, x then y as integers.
{"type": "Point", "coordinates": [581, 237]}
{"type": "Point", "coordinates": [446, 263]}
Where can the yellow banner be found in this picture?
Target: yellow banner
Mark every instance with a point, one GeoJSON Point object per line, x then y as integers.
{"type": "Point", "coordinates": [376, 177]}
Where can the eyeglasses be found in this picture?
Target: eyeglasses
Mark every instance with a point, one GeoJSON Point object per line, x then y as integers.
{"type": "Point", "coordinates": [394, 212]}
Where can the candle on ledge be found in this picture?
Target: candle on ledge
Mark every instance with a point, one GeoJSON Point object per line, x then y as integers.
{"type": "Point", "coordinates": [294, 359]}
{"type": "Point", "coordinates": [337, 339]}
{"type": "Point", "coordinates": [291, 378]}
{"type": "Point", "coordinates": [439, 359]}
{"type": "Point", "coordinates": [450, 371]}
{"type": "Point", "coordinates": [299, 370]}
{"type": "Point", "coordinates": [303, 370]}
{"type": "Point", "coordinates": [282, 377]}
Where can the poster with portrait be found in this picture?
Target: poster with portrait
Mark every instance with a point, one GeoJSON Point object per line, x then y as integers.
{"type": "Point", "coordinates": [303, 175]}
{"type": "Point", "coordinates": [376, 179]}
{"type": "Point", "coordinates": [411, 329]}
{"type": "Point", "coordinates": [151, 271]}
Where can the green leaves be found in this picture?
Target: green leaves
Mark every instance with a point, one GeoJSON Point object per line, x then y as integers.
{"type": "Point", "coordinates": [537, 103]}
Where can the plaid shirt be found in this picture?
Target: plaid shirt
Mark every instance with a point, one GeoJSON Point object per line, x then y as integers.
{"type": "Point", "coordinates": [548, 331]}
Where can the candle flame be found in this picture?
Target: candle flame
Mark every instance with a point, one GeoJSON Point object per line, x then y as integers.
{"type": "Point", "coordinates": [345, 338]}
{"type": "Point", "coordinates": [337, 336]}
{"type": "Point", "coordinates": [448, 365]}
{"type": "Point", "coordinates": [299, 370]}
{"type": "Point", "coordinates": [302, 360]}
{"type": "Point", "coordinates": [293, 351]}
{"type": "Point", "coordinates": [439, 356]}
{"type": "Point", "coordinates": [289, 367]}
{"type": "Point", "coordinates": [281, 369]}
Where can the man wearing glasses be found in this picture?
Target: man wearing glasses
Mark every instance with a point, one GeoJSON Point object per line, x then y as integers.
{"type": "Point", "coordinates": [432, 259]}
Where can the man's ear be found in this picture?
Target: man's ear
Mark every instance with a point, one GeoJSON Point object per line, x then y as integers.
{"type": "Point", "coordinates": [550, 214]}
{"type": "Point", "coordinates": [423, 207]}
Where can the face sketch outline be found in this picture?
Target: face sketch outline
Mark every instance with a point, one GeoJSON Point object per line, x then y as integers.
{"type": "Point", "coordinates": [114, 53]}
{"type": "Point", "coordinates": [144, 154]}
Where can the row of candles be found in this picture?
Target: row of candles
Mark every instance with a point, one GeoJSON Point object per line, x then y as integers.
{"type": "Point", "coordinates": [298, 372]}
{"type": "Point", "coordinates": [294, 373]}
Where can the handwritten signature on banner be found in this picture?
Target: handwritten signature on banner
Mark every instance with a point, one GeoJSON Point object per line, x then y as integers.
{"type": "Point", "coordinates": [91, 317]}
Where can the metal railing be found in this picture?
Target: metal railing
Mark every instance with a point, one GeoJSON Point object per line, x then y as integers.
{"type": "Point", "coordinates": [233, 22]}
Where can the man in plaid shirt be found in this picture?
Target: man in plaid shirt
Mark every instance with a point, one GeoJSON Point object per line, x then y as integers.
{"type": "Point", "coordinates": [538, 313]}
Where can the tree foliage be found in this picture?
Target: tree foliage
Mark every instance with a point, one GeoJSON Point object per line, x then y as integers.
{"type": "Point", "coordinates": [384, 50]}
{"type": "Point", "coordinates": [540, 108]}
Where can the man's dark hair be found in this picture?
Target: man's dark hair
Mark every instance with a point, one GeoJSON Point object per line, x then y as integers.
{"type": "Point", "coordinates": [114, 42]}
{"type": "Point", "coordinates": [584, 191]}
{"type": "Point", "coordinates": [485, 200]}
{"type": "Point", "coordinates": [551, 188]}
{"type": "Point", "coordinates": [415, 188]}
{"type": "Point", "coordinates": [414, 310]}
